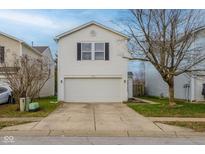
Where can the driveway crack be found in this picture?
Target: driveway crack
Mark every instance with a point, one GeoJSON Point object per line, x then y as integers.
{"type": "Point", "coordinates": [94, 120]}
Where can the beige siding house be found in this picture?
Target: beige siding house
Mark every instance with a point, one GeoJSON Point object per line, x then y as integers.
{"type": "Point", "coordinates": [12, 47]}
{"type": "Point", "coordinates": [91, 67]}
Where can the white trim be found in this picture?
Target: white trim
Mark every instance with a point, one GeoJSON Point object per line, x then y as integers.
{"type": "Point", "coordinates": [11, 37]}
{"type": "Point", "coordinates": [86, 25]}
{"type": "Point", "coordinates": [92, 51]}
{"type": "Point", "coordinates": [20, 41]}
{"type": "Point", "coordinates": [93, 77]}
{"type": "Point", "coordinates": [21, 50]}
{"type": "Point", "coordinates": [36, 51]}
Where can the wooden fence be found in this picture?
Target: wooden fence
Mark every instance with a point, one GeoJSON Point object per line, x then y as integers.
{"type": "Point", "coordinates": [138, 90]}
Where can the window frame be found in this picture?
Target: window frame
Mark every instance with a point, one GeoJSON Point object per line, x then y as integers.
{"type": "Point", "coordinates": [85, 51]}
{"type": "Point", "coordinates": [103, 51]}
{"type": "Point", "coordinates": [92, 51]}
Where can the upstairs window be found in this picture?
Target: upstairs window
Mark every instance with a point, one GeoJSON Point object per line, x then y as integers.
{"type": "Point", "coordinates": [2, 53]}
{"type": "Point", "coordinates": [86, 49]}
{"type": "Point", "coordinates": [99, 51]}
{"type": "Point", "coordinates": [92, 51]}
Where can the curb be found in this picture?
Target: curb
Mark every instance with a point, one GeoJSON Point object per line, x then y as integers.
{"type": "Point", "coordinates": [41, 133]}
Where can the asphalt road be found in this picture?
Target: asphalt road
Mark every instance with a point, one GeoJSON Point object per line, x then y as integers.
{"type": "Point", "coordinates": [10, 140]}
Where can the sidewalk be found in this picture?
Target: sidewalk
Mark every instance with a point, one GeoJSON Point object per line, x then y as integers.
{"type": "Point", "coordinates": [41, 133]}
{"type": "Point", "coordinates": [155, 119]}
{"type": "Point", "coordinates": [144, 100]}
{"type": "Point", "coordinates": [22, 119]}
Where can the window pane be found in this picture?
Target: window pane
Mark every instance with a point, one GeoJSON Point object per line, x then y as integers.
{"type": "Point", "coordinates": [99, 56]}
{"type": "Point", "coordinates": [86, 46]}
{"type": "Point", "coordinates": [86, 55]}
{"type": "Point", "coordinates": [99, 46]}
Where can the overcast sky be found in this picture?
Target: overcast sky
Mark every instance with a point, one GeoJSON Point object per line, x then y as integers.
{"type": "Point", "coordinates": [41, 26]}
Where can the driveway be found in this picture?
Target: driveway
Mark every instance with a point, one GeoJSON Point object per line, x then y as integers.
{"type": "Point", "coordinates": [93, 119]}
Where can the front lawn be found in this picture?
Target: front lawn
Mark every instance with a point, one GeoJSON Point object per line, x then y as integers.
{"type": "Point", "coordinates": [196, 126]}
{"type": "Point", "coordinates": [9, 110]}
{"type": "Point", "coordinates": [182, 109]}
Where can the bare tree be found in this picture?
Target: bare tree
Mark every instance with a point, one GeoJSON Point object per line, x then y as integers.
{"type": "Point", "coordinates": [26, 77]}
{"type": "Point", "coordinates": [168, 40]}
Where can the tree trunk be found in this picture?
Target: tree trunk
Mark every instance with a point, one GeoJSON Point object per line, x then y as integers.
{"type": "Point", "coordinates": [171, 92]}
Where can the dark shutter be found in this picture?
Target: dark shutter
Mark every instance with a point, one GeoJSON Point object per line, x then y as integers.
{"type": "Point", "coordinates": [78, 51]}
{"type": "Point", "coordinates": [107, 51]}
{"type": "Point", "coordinates": [2, 54]}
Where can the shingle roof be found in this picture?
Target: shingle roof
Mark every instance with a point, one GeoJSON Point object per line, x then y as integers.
{"type": "Point", "coordinates": [41, 49]}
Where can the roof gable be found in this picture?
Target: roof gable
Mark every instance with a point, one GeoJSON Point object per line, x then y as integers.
{"type": "Point", "coordinates": [20, 41]}
{"type": "Point", "coordinates": [87, 25]}
{"type": "Point", "coordinates": [41, 49]}
{"type": "Point", "coordinates": [11, 37]}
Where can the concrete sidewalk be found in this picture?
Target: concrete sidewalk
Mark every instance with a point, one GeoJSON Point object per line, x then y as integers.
{"type": "Point", "coordinates": [95, 120]}
{"type": "Point", "coordinates": [34, 119]}
{"type": "Point", "coordinates": [176, 119]}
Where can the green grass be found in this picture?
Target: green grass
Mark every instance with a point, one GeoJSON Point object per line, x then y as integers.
{"type": "Point", "coordinates": [182, 109]}
{"type": "Point", "coordinates": [196, 126]}
{"type": "Point", "coordinates": [9, 110]}
{"type": "Point", "coordinates": [11, 123]}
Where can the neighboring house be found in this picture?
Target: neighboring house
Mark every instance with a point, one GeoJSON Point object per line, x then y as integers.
{"type": "Point", "coordinates": [91, 67]}
{"type": "Point", "coordinates": [49, 87]}
{"type": "Point", "coordinates": [186, 87]}
{"type": "Point", "coordinates": [12, 47]}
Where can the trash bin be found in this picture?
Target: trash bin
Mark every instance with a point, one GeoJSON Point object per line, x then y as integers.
{"type": "Point", "coordinates": [22, 104]}
{"type": "Point", "coordinates": [34, 106]}
{"type": "Point", "coordinates": [28, 101]}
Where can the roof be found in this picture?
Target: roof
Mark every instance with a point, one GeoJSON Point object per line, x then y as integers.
{"type": "Point", "coordinates": [86, 25]}
{"type": "Point", "coordinates": [41, 49]}
{"type": "Point", "coordinates": [11, 37]}
{"type": "Point", "coordinates": [20, 41]}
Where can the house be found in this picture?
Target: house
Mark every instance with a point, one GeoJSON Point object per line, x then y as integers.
{"type": "Point", "coordinates": [49, 87]}
{"type": "Point", "coordinates": [12, 47]}
{"type": "Point", "coordinates": [187, 87]}
{"type": "Point", "coordinates": [91, 67]}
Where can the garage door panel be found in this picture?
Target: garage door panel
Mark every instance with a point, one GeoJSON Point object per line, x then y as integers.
{"type": "Point", "coordinates": [92, 90]}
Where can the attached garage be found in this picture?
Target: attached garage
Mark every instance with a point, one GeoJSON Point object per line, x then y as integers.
{"type": "Point", "coordinates": [92, 90]}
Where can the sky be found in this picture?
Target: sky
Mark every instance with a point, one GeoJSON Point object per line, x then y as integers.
{"type": "Point", "coordinates": [41, 26]}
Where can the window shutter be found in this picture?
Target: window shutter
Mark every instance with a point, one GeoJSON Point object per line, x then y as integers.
{"type": "Point", "coordinates": [2, 54]}
{"type": "Point", "coordinates": [78, 51]}
{"type": "Point", "coordinates": [107, 51]}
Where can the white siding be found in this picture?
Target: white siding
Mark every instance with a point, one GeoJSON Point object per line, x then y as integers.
{"type": "Point", "coordinates": [49, 87]}
{"type": "Point", "coordinates": [28, 51]}
{"type": "Point", "coordinates": [155, 86]}
{"type": "Point", "coordinates": [130, 87]}
{"type": "Point", "coordinates": [69, 66]}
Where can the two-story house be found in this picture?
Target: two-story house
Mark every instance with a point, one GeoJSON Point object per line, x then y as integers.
{"type": "Point", "coordinates": [187, 86]}
{"type": "Point", "coordinates": [12, 48]}
{"type": "Point", "coordinates": [91, 67]}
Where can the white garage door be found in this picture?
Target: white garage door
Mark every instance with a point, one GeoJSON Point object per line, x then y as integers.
{"type": "Point", "coordinates": [92, 90]}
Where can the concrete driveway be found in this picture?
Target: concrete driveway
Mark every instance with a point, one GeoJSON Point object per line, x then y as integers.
{"type": "Point", "coordinates": [96, 117]}
{"type": "Point", "coordinates": [93, 120]}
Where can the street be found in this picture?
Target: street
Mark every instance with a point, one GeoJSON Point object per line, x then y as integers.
{"type": "Point", "coordinates": [10, 140]}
